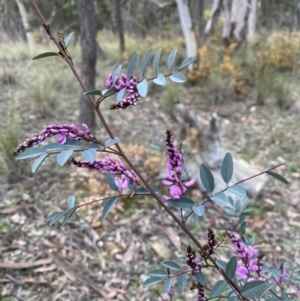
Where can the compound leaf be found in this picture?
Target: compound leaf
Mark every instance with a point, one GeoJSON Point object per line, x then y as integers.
{"type": "Point", "coordinates": [69, 214]}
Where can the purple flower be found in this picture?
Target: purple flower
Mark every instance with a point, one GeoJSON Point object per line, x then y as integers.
{"type": "Point", "coordinates": [120, 82]}
{"type": "Point", "coordinates": [174, 169]}
{"type": "Point", "coordinates": [283, 275]}
{"type": "Point", "coordinates": [123, 177]}
{"type": "Point", "coordinates": [65, 131]}
{"type": "Point", "coordinates": [192, 261]}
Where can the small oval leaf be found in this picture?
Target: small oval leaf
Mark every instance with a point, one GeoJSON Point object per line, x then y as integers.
{"type": "Point", "coordinates": [68, 39]}
{"type": "Point", "coordinates": [111, 142]}
{"type": "Point", "coordinates": [218, 288]}
{"type": "Point", "coordinates": [37, 162]}
{"type": "Point", "coordinates": [142, 87]}
{"type": "Point", "coordinates": [63, 157]}
{"type": "Point", "coordinates": [107, 207]}
{"type": "Point", "coordinates": [252, 288]}
{"type": "Point", "coordinates": [71, 201]}
{"type": "Point", "coordinates": [168, 284]}
{"type": "Point", "coordinates": [69, 214]}
{"type": "Point", "coordinates": [278, 177]}
{"type": "Point", "coordinates": [182, 203]}
{"type": "Point", "coordinates": [31, 153]}
{"type": "Point", "coordinates": [52, 147]}
{"type": "Point", "coordinates": [207, 178]}
{"type": "Point", "coordinates": [121, 94]}
{"type": "Point", "coordinates": [89, 154]}
{"type": "Point", "coordinates": [200, 278]}
{"type": "Point", "coordinates": [132, 65]}
{"type": "Point", "coordinates": [237, 190]}
{"type": "Point", "coordinates": [111, 182]}
{"type": "Point", "coordinates": [158, 273]}
{"type": "Point", "coordinates": [181, 281]}
{"type": "Point", "coordinates": [93, 92]}
{"type": "Point", "coordinates": [46, 54]}
{"type": "Point", "coordinates": [117, 71]}
{"type": "Point", "coordinates": [156, 61]}
{"type": "Point", "coordinates": [160, 80]}
{"type": "Point", "coordinates": [198, 210]}
{"type": "Point", "coordinates": [177, 77]}
{"type": "Point", "coordinates": [142, 191]}
{"type": "Point", "coordinates": [73, 143]}
{"type": "Point", "coordinates": [187, 62]}
{"type": "Point", "coordinates": [171, 265]}
{"type": "Point", "coordinates": [146, 60]}
{"type": "Point", "coordinates": [220, 198]}
{"type": "Point", "coordinates": [151, 281]}
{"type": "Point", "coordinates": [171, 59]}
{"type": "Point", "coordinates": [231, 267]}
{"type": "Point", "coordinates": [227, 168]}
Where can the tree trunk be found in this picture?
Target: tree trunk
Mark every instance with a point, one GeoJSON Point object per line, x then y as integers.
{"type": "Point", "coordinates": [201, 23]}
{"type": "Point", "coordinates": [212, 21]}
{"type": "Point", "coordinates": [238, 18]}
{"type": "Point", "coordinates": [26, 25]}
{"type": "Point", "coordinates": [119, 21]}
{"type": "Point", "coordinates": [187, 28]}
{"type": "Point", "coordinates": [252, 18]}
{"type": "Point", "coordinates": [89, 57]}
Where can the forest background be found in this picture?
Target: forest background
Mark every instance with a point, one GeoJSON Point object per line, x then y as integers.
{"type": "Point", "coordinates": [247, 72]}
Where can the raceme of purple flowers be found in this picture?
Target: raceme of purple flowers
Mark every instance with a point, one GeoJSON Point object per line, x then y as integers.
{"type": "Point", "coordinates": [247, 255]}
{"type": "Point", "coordinates": [174, 169]}
{"type": "Point", "coordinates": [115, 167]}
{"type": "Point", "coordinates": [283, 275]}
{"type": "Point", "coordinates": [192, 261]}
{"type": "Point", "coordinates": [64, 130]}
{"type": "Point", "coordinates": [120, 82]}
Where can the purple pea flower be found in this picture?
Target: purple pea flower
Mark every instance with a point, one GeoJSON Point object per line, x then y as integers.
{"type": "Point", "coordinates": [174, 168]}
{"type": "Point", "coordinates": [65, 131]}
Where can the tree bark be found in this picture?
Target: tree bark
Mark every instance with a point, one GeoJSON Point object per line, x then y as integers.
{"type": "Point", "coordinates": [187, 28]}
{"type": "Point", "coordinates": [212, 21]}
{"type": "Point", "coordinates": [89, 57]}
{"type": "Point", "coordinates": [252, 18]}
{"type": "Point", "coordinates": [201, 23]}
{"type": "Point", "coordinates": [26, 25]}
{"type": "Point", "coordinates": [119, 21]}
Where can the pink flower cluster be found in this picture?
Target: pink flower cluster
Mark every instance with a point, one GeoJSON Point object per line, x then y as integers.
{"type": "Point", "coordinates": [115, 167]}
{"type": "Point", "coordinates": [247, 255]}
{"type": "Point", "coordinates": [174, 168]}
{"type": "Point", "coordinates": [64, 130]}
{"type": "Point", "coordinates": [120, 82]}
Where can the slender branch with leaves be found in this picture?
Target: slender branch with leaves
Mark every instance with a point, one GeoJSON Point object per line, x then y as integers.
{"type": "Point", "coordinates": [243, 276]}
